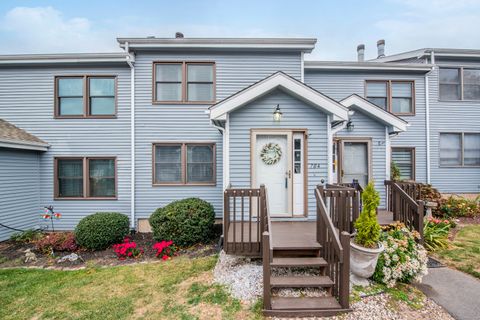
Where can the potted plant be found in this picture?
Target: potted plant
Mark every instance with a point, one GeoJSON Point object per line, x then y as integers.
{"type": "Point", "coordinates": [365, 247]}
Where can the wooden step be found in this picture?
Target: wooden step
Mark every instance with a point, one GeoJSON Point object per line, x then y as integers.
{"type": "Point", "coordinates": [299, 262]}
{"type": "Point", "coordinates": [294, 246]}
{"type": "Point", "coordinates": [300, 281]}
{"type": "Point", "coordinates": [304, 303]}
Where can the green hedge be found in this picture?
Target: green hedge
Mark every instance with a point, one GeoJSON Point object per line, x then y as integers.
{"type": "Point", "coordinates": [102, 229]}
{"type": "Point", "coordinates": [186, 222]}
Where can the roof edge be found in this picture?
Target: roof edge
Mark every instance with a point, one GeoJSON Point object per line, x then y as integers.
{"type": "Point", "coordinates": [346, 65]}
{"type": "Point", "coordinates": [300, 44]}
{"type": "Point", "coordinates": [107, 57]}
{"type": "Point", "coordinates": [19, 144]}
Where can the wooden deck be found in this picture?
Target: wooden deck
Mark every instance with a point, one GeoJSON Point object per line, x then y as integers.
{"type": "Point", "coordinates": [287, 235]}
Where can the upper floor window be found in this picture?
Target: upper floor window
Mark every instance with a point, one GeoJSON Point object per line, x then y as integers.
{"type": "Point", "coordinates": [84, 178]}
{"type": "Point", "coordinates": [184, 163]}
{"type": "Point", "coordinates": [184, 82]}
{"type": "Point", "coordinates": [459, 84]}
{"type": "Point", "coordinates": [459, 149]}
{"type": "Point", "coordinates": [394, 96]}
{"type": "Point", "coordinates": [85, 96]}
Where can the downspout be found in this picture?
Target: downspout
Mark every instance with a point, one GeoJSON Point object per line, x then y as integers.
{"type": "Point", "coordinates": [224, 152]}
{"type": "Point", "coordinates": [302, 67]}
{"type": "Point", "coordinates": [427, 115]}
{"type": "Point", "coordinates": [330, 133]}
{"type": "Point", "coordinates": [131, 62]}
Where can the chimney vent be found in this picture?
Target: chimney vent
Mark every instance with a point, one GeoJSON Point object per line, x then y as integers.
{"type": "Point", "coordinates": [381, 48]}
{"type": "Point", "coordinates": [361, 52]}
{"type": "Point", "coordinates": [178, 35]}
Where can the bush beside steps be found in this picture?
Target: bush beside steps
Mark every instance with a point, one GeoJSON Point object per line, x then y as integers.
{"type": "Point", "coordinates": [102, 229]}
{"type": "Point", "coordinates": [186, 222]}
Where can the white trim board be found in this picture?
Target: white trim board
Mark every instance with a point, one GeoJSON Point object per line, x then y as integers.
{"type": "Point", "coordinates": [286, 83]}
{"type": "Point", "coordinates": [356, 102]}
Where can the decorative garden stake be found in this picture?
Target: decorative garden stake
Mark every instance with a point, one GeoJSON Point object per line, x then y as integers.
{"type": "Point", "coordinates": [50, 214]}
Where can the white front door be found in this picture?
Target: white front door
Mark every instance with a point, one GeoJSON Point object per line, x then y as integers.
{"type": "Point", "coordinates": [272, 160]}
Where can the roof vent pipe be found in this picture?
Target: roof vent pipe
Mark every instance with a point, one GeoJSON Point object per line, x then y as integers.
{"type": "Point", "coordinates": [178, 35]}
{"type": "Point", "coordinates": [361, 52]}
{"type": "Point", "coordinates": [381, 48]}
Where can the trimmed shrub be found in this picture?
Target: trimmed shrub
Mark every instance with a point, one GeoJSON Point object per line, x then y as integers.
{"type": "Point", "coordinates": [186, 222]}
{"type": "Point", "coordinates": [102, 229]}
{"type": "Point", "coordinates": [368, 229]}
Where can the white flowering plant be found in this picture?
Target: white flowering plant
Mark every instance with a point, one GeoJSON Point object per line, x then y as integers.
{"type": "Point", "coordinates": [404, 260]}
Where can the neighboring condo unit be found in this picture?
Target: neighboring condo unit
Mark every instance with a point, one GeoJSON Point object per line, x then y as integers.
{"type": "Point", "coordinates": [188, 117]}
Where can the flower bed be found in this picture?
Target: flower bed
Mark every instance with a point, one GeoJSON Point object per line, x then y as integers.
{"type": "Point", "coordinates": [455, 206]}
{"type": "Point", "coordinates": [404, 260]}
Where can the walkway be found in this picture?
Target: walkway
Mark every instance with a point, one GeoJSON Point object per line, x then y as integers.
{"type": "Point", "coordinates": [457, 292]}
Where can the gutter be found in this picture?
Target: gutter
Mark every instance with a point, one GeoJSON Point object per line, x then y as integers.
{"type": "Point", "coordinates": [131, 62]}
{"type": "Point", "coordinates": [17, 144]}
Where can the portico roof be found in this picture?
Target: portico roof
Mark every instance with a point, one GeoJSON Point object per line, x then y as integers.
{"type": "Point", "coordinates": [284, 82]}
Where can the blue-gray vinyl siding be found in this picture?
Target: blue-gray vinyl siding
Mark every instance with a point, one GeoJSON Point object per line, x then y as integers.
{"type": "Point", "coordinates": [370, 129]}
{"type": "Point", "coordinates": [27, 101]}
{"type": "Point", "coordinates": [296, 114]}
{"type": "Point", "coordinates": [190, 123]}
{"type": "Point", "coordinates": [19, 190]}
{"type": "Point", "coordinates": [452, 116]}
{"type": "Point", "coordinates": [339, 85]}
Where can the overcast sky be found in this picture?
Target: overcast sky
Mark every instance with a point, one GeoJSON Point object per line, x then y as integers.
{"type": "Point", "coordinates": [92, 26]}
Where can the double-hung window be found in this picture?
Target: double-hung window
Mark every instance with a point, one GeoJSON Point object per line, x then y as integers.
{"type": "Point", "coordinates": [396, 96]}
{"type": "Point", "coordinates": [404, 158]}
{"type": "Point", "coordinates": [184, 163]}
{"type": "Point", "coordinates": [184, 82]}
{"type": "Point", "coordinates": [85, 96]}
{"type": "Point", "coordinates": [459, 149]}
{"type": "Point", "coordinates": [85, 178]}
{"type": "Point", "coordinates": [459, 84]}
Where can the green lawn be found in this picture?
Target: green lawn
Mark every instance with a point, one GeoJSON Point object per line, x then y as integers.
{"type": "Point", "coordinates": [464, 251]}
{"type": "Point", "coordinates": [177, 289]}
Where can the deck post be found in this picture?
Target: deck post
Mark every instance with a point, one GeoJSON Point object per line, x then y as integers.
{"type": "Point", "coordinates": [267, 303]}
{"type": "Point", "coordinates": [226, 218]}
{"type": "Point", "coordinates": [344, 290]}
{"type": "Point", "coordinates": [419, 219]}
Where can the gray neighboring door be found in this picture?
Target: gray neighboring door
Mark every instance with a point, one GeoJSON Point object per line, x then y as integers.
{"type": "Point", "coordinates": [355, 162]}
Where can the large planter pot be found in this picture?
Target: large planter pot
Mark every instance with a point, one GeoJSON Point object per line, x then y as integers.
{"type": "Point", "coordinates": [363, 262]}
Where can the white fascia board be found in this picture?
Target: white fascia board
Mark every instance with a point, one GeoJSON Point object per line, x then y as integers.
{"type": "Point", "coordinates": [355, 101]}
{"type": "Point", "coordinates": [15, 144]}
{"type": "Point", "coordinates": [378, 67]}
{"type": "Point", "coordinates": [289, 85]}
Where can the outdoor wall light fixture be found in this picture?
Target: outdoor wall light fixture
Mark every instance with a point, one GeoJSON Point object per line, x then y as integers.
{"type": "Point", "coordinates": [350, 126]}
{"type": "Point", "coordinates": [277, 114]}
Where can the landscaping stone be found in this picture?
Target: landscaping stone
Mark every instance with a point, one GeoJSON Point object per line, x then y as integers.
{"type": "Point", "coordinates": [72, 257]}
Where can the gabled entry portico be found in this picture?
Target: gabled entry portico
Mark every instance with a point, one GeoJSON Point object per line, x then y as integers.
{"type": "Point", "coordinates": [290, 156]}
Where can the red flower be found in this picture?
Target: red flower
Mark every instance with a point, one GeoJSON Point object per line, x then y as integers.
{"type": "Point", "coordinates": [164, 257]}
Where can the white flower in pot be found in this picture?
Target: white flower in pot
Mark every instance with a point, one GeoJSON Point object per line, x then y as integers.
{"type": "Point", "coordinates": [365, 247]}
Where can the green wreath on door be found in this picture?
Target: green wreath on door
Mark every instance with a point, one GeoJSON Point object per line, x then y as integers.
{"type": "Point", "coordinates": [271, 153]}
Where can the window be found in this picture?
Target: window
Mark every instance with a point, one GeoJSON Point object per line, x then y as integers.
{"type": "Point", "coordinates": [184, 163]}
{"type": "Point", "coordinates": [184, 82]}
{"type": "Point", "coordinates": [85, 97]}
{"type": "Point", "coordinates": [85, 178]}
{"type": "Point", "coordinates": [459, 84]}
{"type": "Point", "coordinates": [404, 158]}
{"type": "Point", "coordinates": [459, 149]}
{"type": "Point", "coordinates": [394, 96]}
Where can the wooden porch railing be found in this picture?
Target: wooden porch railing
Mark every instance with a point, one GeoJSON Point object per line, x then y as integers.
{"type": "Point", "coordinates": [335, 251]}
{"type": "Point", "coordinates": [404, 204]}
{"type": "Point", "coordinates": [245, 218]}
{"type": "Point", "coordinates": [343, 204]}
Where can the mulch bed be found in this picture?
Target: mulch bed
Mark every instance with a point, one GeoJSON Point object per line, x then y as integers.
{"type": "Point", "coordinates": [12, 254]}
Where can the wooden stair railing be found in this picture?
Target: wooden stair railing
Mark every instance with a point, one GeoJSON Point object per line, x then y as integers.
{"type": "Point", "coordinates": [343, 204]}
{"type": "Point", "coordinates": [404, 204]}
{"type": "Point", "coordinates": [335, 251]}
{"type": "Point", "coordinates": [244, 220]}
